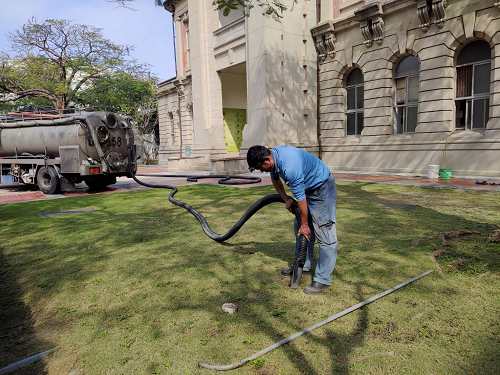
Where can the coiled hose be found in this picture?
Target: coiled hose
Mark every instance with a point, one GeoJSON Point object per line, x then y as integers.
{"type": "Point", "coordinates": [224, 179]}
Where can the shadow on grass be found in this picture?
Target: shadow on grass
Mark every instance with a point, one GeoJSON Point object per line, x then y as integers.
{"type": "Point", "coordinates": [17, 334]}
{"type": "Point", "coordinates": [177, 254]}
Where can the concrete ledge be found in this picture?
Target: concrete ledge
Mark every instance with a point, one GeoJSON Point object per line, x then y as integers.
{"type": "Point", "coordinates": [229, 164]}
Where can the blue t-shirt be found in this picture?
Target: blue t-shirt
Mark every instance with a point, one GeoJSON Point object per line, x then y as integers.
{"type": "Point", "coordinates": [300, 170]}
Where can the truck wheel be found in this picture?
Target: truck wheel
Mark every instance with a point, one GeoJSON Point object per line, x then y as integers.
{"type": "Point", "coordinates": [48, 180]}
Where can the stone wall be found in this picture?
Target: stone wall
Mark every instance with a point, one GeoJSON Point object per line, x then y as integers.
{"type": "Point", "coordinates": [435, 38]}
{"type": "Point", "coordinates": [175, 120]}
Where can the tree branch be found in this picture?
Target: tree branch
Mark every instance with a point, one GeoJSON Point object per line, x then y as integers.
{"type": "Point", "coordinates": [29, 93]}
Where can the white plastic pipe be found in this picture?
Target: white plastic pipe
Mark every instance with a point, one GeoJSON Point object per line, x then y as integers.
{"type": "Point", "coordinates": [313, 327]}
{"type": "Point", "coordinates": [25, 362]}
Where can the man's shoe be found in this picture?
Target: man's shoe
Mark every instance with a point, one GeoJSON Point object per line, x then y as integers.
{"type": "Point", "coordinates": [287, 271]}
{"type": "Point", "coordinates": [315, 288]}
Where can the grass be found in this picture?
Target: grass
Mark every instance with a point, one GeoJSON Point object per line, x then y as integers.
{"type": "Point", "coordinates": [132, 286]}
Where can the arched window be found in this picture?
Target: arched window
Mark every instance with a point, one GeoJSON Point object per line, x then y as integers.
{"type": "Point", "coordinates": [473, 86]}
{"type": "Point", "coordinates": [354, 88]}
{"type": "Point", "coordinates": [406, 100]}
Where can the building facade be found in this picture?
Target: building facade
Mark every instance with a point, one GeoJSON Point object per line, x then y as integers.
{"type": "Point", "coordinates": [408, 83]}
{"type": "Point", "coordinates": [388, 86]}
{"type": "Point", "coordinates": [241, 80]}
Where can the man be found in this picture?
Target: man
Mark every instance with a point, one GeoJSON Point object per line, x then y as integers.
{"type": "Point", "coordinates": [313, 189]}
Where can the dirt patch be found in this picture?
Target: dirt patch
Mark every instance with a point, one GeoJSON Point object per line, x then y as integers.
{"type": "Point", "coordinates": [76, 211]}
{"type": "Point", "coordinates": [456, 234]}
{"type": "Point", "coordinates": [468, 251]}
{"type": "Point", "coordinates": [495, 236]}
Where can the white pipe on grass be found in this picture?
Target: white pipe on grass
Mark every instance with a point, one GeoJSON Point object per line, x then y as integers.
{"type": "Point", "coordinates": [313, 327]}
{"type": "Point", "coordinates": [25, 362]}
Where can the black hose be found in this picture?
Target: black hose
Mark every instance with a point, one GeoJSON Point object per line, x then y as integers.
{"type": "Point", "coordinates": [225, 179]}
{"type": "Point", "coordinates": [299, 261]}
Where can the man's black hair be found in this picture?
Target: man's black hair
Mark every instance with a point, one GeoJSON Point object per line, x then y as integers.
{"type": "Point", "coordinates": [256, 155]}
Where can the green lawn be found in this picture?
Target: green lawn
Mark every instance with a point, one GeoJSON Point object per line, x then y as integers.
{"type": "Point", "coordinates": [133, 286]}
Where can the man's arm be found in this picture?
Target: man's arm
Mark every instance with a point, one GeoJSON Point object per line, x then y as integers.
{"type": "Point", "coordinates": [302, 205]}
{"type": "Point", "coordinates": [304, 223]}
{"type": "Point", "coordinates": [278, 185]}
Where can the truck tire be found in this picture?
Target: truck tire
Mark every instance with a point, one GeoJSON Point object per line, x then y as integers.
{"type": "Point", "coordinates": [47, 180]}
{"type": "Point", "coordinates": [97, 183]}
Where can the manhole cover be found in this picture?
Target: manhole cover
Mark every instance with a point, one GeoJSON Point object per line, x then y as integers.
{"type": "Point", "coordinates": [76, 211]}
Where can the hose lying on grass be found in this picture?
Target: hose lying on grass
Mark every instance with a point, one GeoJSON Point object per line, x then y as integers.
{"type": "Point", "coordinates": [223, 179]}
{"type": "Point", "coordinates": [313, 327]}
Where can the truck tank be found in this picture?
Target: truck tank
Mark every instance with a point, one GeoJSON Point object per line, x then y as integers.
{"type": "Point", "coordinates": [44, 137]}
{"type": "Point", "coordinates": [94, 147]}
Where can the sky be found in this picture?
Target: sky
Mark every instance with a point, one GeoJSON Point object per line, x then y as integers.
{"type": "Point", "coordinates": [146, 27]}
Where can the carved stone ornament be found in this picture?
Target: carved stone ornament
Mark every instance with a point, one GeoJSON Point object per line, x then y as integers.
{"type": "Point", "coordinates": [183, 17]}
{"type": "Point", "coordinates": [431, 12]}
{"type": "Point", "coordinates": [438, 8]}
{"type": "Point", "coordinates": [378, 29]}
{"type": "Point", "coordinates": [180, 88]}
{"type": "Point", "coordinates": [424, 14]}
{"type": "Point", "coordinates": [169, 5]}
{"type": "Point", "coordinates": [497, 4]}
{"type": "Point", "coordinates": [371, 23]}
{"type": "Point", "coordinates": [324, 39]}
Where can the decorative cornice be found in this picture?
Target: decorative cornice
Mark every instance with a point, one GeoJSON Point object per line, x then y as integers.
{"type": "Point", "coordinates": [324, 39]}
{"type": "Point", "coordinates": [371, 23]}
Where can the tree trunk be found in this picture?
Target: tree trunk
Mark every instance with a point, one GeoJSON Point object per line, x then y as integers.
{"type": "Point", "coordinates": [60, 103]}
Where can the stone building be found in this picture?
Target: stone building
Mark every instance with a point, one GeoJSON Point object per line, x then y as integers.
{"type": "Point", "coordinates": [389, 86]}
{"type": "Point", "coordinates": [405, 84]}
{"type": "Point", "coordinates": [240, 81]}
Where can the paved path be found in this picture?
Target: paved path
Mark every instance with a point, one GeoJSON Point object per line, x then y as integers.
{"type": "Point", "coordinates": [14, 194]}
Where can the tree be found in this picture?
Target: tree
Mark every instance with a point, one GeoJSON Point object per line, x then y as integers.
{"type": "Point", "coordinates": [120, 92]}
{"type": "Point", "coordinates": [273, 8]}
{"type": "Point", "coordinates": [56, 59]}
{"type": "Point", "coordinates": [132, 95]}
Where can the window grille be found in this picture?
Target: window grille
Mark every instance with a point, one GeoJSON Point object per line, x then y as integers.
{"type": "Point", "coordinates": [406, 94]}
{"type": "Point", "coordinates": [472, 100]}
{"type": "Point", "coordinates": [355, 98]}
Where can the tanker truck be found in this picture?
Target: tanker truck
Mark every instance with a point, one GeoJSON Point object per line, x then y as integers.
{"type": "Point", "coordinates": [53, 151]}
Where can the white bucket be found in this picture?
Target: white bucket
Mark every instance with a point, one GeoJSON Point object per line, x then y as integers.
{"type": "Point", "coordinates": [433, 171]}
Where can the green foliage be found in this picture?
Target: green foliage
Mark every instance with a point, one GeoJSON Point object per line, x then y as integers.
{"type": "Point", "coordinates": [272, 8]}
{"type": "Point", "coordinates": [26, 104]}
{"type": "Point", "coordinates": [258, 363]}
{"type": "Point", "coordinates": [55, 59]}
{"type": "Point", "coordinates": [118, 92]}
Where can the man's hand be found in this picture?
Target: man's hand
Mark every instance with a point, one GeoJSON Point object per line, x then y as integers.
{"type": "Point", "coordinates": [305, 230]}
